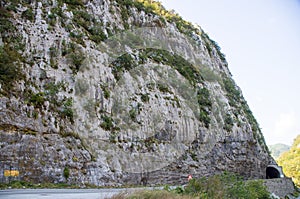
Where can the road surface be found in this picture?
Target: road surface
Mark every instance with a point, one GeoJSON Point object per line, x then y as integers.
{"type": "Point", "coordinates": [62, 193]}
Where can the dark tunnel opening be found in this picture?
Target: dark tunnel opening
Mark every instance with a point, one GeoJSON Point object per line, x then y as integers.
{"type": "Point", "coordinates": [272, 172]}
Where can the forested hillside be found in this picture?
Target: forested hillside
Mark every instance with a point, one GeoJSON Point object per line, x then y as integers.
{"type": "Point", "coordinates": [290, 161]}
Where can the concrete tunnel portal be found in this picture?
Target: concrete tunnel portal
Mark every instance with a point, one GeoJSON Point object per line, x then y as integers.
{"type": "Point", "coordinates": [274, 171]}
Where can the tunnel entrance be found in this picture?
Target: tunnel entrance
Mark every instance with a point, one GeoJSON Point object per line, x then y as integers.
{"type": "Point", "coordinates": [272, 172]}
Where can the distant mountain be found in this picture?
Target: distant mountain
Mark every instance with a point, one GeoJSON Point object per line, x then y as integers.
{"type": "Point", "coordinates": [278, 149]}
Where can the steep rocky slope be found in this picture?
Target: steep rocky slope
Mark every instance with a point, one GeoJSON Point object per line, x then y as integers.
{"type": "Point", "coordinates": [118, 92]}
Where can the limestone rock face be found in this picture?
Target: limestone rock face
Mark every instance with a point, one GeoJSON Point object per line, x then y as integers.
{"type": "Point", "coordinates": [118, 92]}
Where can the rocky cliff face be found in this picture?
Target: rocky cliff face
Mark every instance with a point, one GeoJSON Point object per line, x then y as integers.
{"type": "Point", "coordinates": [118, 92]}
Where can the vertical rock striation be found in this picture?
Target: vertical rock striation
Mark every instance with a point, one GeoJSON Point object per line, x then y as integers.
{"type": "Point", "coordinates": [118, 92]}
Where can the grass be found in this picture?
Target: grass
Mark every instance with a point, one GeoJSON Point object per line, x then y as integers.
{"type": "Point", "coordinates": [29, 185]}
{"type": "Point", "coordinates": [225, 186]}
{"type": "Point", "coordinates": [148, 194]}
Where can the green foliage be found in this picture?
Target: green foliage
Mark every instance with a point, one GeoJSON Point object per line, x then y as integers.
{"type": "Point", "coordinates": [30, 132]}
{"type": "Point", "coordinates": [10, 37]}
{"type": "Point", "coordinates": [205, 105]}
{"type": "Point", "coordinates": [66, 172]}
{"type": "Point", "coordinates": [75, 55]}
{"type": "Point", "coordinates": [73, 2]}
{"type": "Point", "coordinates": [28, 14]}
{"type": "Point", "coordinates": [163, 88]}
{"type": "Point", "coordinates": [228, 122]}
{"type": "Point", "coordinates": [9, 67]}
{"type": "Point", "coordinates": [29, 185]}
{"type": "Point", "coordinates": [185, 68]}
{"type": "Point", "coordinates": [77, 37]}
{"type": "Point", "coordinates": [209, 43]}
{"type": "Point", "coordinates": [122, 63]}
{"type": "Point", "coordinates": [106, 92]}
{"type": "Point", "coordinates": [69, 134]}
{"type": "Point", "coordinates": [53, 57]}
{"type": "Point", "coordinates": [150, 194]}
{"type": "Point", "coordinates": [113, 136]}
{"type": "Point", "coordinates": [37, 99]}
{"type": "Point", "coordinates": [233, 93]}
{"type": "Point", "coordinates": [53, 52]}
{"type": "Point", "coordinates": [6, 26]}
{"type": "Point", "coordinates": [77, 58]}
{"type": "Point", "coordinates": [97, 34]}
{"type": "Point", "coordinates": [82, 18]}
{"type": "Point", "coordinates": [51, 19]}
{"type": "Point", "coordinates": [128, 62]}
{"type": "Point", "coordinates": [132, 114]}
{"type": "Point", "coordinates": [226, 185]}
{"type": "Point", "coordinates": [90, 24]}
{"type": "Point", "coordinates": [222, 186]}
{"type": "Point", "coordinates": [52, 89]}
{"type": "Point", "coordinates": [145, 98]}
{"type": "Point", "coordinates": [237, 101]}
{"type": "Point", "coordinates": [290, 161]}
{"type": "Point", "coordinates": [67, 110]}
{"type": "Point", "coordinates": [185, 27]}
{"type": "Point", "coordinates": [108, 123]}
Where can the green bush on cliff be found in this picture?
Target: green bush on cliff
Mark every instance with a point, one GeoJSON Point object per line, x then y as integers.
{"type": "Point", "coordinates": [9, 67]}
{"type": "Point", "coordinates": [66, 172]}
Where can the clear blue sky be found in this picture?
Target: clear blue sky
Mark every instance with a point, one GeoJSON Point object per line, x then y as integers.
{"type": "Point", "coordinates": [261, 41]}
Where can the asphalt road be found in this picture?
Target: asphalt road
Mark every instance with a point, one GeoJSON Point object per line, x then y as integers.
{"type": "Point", "coordinates": [61, 193]}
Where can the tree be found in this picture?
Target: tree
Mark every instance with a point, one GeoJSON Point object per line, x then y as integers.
{"type": "Point", "coordinates": [290, 161]}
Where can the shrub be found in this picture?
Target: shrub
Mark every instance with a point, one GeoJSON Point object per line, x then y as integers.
{"type": "Point", "coordinates": [106, 92]}
{"type": "Point", "coordinates": [132, 114]}
{"type": "Point", "coordinates": [163, 88]}
{"type": "Point", "coordinates": [185, 68]}
{"type": "Point", "coordinates": [66, 172]}
{"type": "Point", "coordinates": [6, 26]}
{"type": "Point", "coordinates": [37, 99]}
{"type": "Point", "coordinates": [74, 2]}
{"type": "Point", "coordinates": [83, 19]}
{"type": "Point", "coordinates": [67, 110]}
{"type": "Point", "coordinates": [52, 88]}
{"type": "Point", "coordinates": [9, 67]}
{"type": "Point", "coordinates": [107, 123]}
{"type": "Point", "coordinates": [145, 97]}
{"type": "Point", "coordinates": [227, 185]}
{"type": "Point", "coordinates": [28, 14]}
{"type": "Point", "coordinates": [65, 134]}
{"type": "Point", "coordinates": [97, 34]}
{"type": "Point", "coordinates": [237, 101]}
{"type": "Point", "coordinates": [77, 58]}
{"type": "Point", "coordinates": [124, 62]}
{"type": "Point", "coordinates": [205, 106]}
{"type": "Point", "coordinates": [228, 122]}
